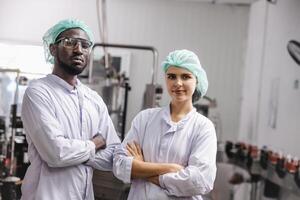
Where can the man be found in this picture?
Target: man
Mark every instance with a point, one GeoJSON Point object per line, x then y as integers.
{"type": "Point", "coordinates": [68, 128]}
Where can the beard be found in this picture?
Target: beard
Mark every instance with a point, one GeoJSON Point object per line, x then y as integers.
{"type": "Point", "coordinates": [69, 68]}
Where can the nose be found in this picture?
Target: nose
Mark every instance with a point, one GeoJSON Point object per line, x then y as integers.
{"type": "Point", "coordinates": [178, 82]}
{"type": "Point", "coordinates": [78, 47]}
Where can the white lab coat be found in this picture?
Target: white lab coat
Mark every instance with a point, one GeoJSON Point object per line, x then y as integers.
{"type": "Point", "coordinates": [190, 142]}
{"type": "Point", "coordinates": [60, 121]}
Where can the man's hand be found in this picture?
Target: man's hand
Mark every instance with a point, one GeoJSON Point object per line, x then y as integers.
{"type": "Point", "coordinates": [99, 142]}
{"type": "Point", "coordinates": [134, 150]}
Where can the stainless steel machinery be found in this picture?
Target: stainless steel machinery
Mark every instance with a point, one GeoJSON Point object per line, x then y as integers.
{"type": "Point", "coordinates": [113, 85]}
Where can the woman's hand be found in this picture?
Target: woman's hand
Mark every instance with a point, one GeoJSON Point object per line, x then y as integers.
{"type": "Point", "coordinates": [154, 180]}
{"type": "Point", "coordinates": [173, 167]}
{"type": "Point", "coordinates": [144, 170]}
{"type": "Point", "coordinates": [134, 150]}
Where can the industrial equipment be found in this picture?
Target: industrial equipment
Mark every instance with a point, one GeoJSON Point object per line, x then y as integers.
{"type": "Point", "coordinates": [113, 84]}
{"type": "Point", "coordinates": [13, 154]}
{"type": "Point", "coordinates": [106, 76]}
{"type": "Point", "coordinates": [278, 173]}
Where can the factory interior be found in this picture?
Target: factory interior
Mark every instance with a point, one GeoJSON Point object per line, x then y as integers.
{"type": "Point", "coordinates": [250, 50]}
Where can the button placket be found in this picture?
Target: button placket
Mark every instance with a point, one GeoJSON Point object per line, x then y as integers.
{"type": "Point", "coordinates": [165, 143]}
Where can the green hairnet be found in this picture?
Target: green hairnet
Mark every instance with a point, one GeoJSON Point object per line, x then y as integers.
{"type": "Point", "coordinates": [188, 60]}
{"type": "Point", "coordinates": [51, 35]}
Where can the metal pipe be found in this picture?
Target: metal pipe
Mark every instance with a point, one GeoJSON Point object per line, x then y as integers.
{"type": "Point", "coordinates": [127, 89]}
{"type": "Point", "coordinates": [9, 70]}
{"type": "Point", "coordinates": [126, 46]}
{"type": "Point", "coordinates": [13, 125]}
{"type": "Point", "coordinates": [19, 71]}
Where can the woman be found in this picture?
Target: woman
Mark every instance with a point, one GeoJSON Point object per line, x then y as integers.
{"type": "Point", "coordinates": [170, 152]}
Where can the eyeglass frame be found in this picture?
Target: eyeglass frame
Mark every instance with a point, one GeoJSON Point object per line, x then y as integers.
{"type": "Point", "coordinates": [78, 40]}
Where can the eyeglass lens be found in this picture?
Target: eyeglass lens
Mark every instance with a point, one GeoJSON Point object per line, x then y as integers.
{"type": "Point", "coordinates": [73, 42]}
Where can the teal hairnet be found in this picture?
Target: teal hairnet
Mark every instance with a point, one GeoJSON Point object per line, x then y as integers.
{"type": "Point", "coordinates": [51, 35]}
{"type": "Point", "coordinates": [188, 60]}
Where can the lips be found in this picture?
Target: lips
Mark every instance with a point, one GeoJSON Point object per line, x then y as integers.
{"type": "Point", "coordinates": [178, 91]}
{"type": "Point", "coordinates": [78, 60]}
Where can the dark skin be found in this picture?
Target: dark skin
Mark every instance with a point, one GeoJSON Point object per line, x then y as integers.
{"type": "Point", "coordinates": [69, 62]}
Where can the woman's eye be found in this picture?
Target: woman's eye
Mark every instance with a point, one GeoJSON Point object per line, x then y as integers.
{"type": "Point", "coordinates": [171, 76]}
{"type": "Point", "coordinates": [185, 77]}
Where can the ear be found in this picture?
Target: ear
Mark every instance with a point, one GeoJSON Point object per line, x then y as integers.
{"type": "Point", "coordinates": [53, 49]}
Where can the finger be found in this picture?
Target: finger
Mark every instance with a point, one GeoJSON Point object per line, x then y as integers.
{"type": "Point", "coordinates": [133, 145]}
{"type": "Point", "coordinates": [129, 148]}
{"type": "Point", "coordinates": [130, 145]}
{"type": "Point", "coordinates": [139, 150]}
{"type": "Point", "coordinates": [131, 152]}
{"type": "Point", "coordinates": [128, 153]}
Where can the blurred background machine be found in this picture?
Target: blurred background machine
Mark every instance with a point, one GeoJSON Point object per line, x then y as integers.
{"type": "Point", "coordinates": [107, 76]}
{"type": "Point", "coordinates": [270, 173]}
{"type": "Point", "coordinates": [111, 80]}
{"type": "Point", "coordinates": [13, 145]}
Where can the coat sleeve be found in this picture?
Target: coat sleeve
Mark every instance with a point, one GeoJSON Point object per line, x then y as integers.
{"type": "Point", "coordinates": [104, 157]}
{"type": "Point", "coordinates": [46, 134]}
{"type": "Point", "coordinates": [198, 177]}
{"type": "Point", "coordinates": [122, 163]}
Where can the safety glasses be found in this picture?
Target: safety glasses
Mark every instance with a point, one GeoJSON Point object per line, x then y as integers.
{"type": "Point", "coordinates": [72, 43]}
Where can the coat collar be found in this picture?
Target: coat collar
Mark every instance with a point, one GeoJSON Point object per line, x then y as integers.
{"type": "Point", "coordinates": [64, 84]}
{"type": "Point", "coordinates": [175, 126]}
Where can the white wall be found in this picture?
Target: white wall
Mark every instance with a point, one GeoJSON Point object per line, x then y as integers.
{"type": "Point", "coordinates": [270, 112]}
{"type": "Point", "coordinates": [252, 74]}
{"type": "Point", "coordinates": [216, 32]}
{"type": "Point", "coordinates": [270, 109]}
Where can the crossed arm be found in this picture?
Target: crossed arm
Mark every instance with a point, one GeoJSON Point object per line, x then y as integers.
{"type": "Point", "coordinates": [99, 142]}
{"type": "Point", "coordinates": [148, 170]}
{"type": "Point", "coordinates": [196, 178]}
{"type": "Point", "coordinates": [48, 137]}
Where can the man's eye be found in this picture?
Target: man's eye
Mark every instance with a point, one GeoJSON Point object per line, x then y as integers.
{"type": "Point", "coordinates": [85, 45]}
{"type": "Point", "coordinates": [69, 42]}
